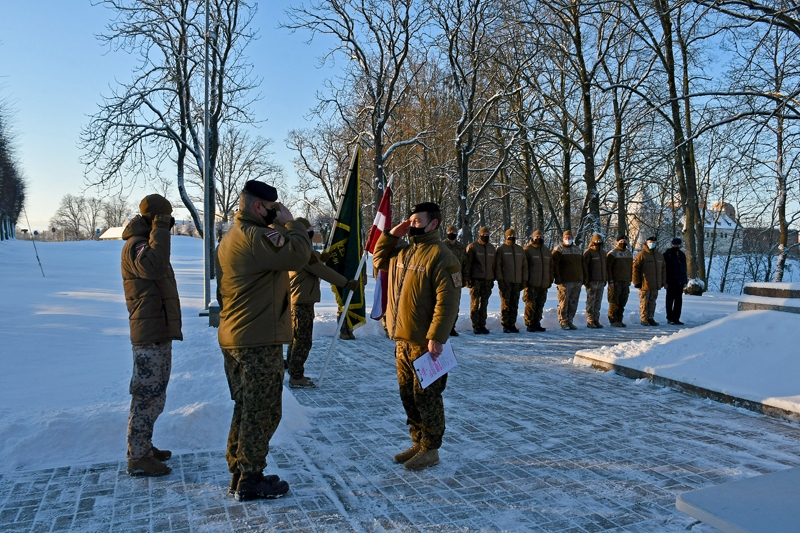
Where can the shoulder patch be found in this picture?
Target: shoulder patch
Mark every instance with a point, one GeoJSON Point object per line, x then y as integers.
{"type": "Point", "coordinates": [455, 275]}
{"type": "Point", "coordinates": [140, 248]}
{"type": "Point", "coordinates": [275, 238]}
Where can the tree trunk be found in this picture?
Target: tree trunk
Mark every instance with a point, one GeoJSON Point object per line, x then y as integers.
{"type": "Point", "coordinates": [783, 238]}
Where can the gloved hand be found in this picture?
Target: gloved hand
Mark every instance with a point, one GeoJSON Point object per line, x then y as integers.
{"type": "Point", "coordinates": [162, 221]}
{"type": "Point", "coordinates": [352, 285]}
{"type": "Point", "coordinates": [325, 256]}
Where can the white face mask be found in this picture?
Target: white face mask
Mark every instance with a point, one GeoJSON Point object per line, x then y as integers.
{"type": "Point", "coordinates": [651, 245]}
{"type": "Point", "coordinates": [568, 242]}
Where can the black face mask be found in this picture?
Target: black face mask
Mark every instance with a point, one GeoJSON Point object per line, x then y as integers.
{"type": "Point", "coordinates": [311, 234]}
{"type": "Point", "coordinates": [416, 232]}
{"type": "Point", "coordinates": [538, 242]}
{"type": "Point", "coordinates": [511, 239]}
{"type": "Point", "coordinates": [270, 218]}
{"type": "Point", "coordinates": [597, 244]}
{"type": "Point", "coordinates": [452, 236]}
{"type": "Point", "coordinates": [623, 245]}
{"type": "Point", "coordinates": [484, 239]}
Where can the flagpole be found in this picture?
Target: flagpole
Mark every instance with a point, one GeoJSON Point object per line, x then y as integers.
{"type": "Point", "coordinates": [342, 318]}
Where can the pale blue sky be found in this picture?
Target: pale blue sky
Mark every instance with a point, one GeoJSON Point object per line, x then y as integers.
{"type": "Point", "coordinates": [53, 71]}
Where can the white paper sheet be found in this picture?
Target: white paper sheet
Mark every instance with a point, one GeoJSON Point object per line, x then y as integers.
{"type": "Point", "coordinates": [429, 370]}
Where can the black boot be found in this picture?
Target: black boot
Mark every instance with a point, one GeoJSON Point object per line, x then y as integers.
{"type": "Point", "coordinates": [453, 333]}
{"type": "Point", "coordinates": [256, 486]}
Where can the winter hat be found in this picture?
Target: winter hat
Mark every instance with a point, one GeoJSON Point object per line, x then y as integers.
{"type": "Point", "coordinates": [597, 237]}
{"type": "Point", "coordinates": [567, 233]}
{"type": "Point", "coordinates": [537, 234]}
{"type": "Point", "coordinates": [451, 229]}
{"type": "Point", "coordinates": [304, 222]}
{"type": "Point", "coordinates": [261, 190]}
{"type": "Point", "coordinates": [652, 239]}
{"type": "Point", "coordinates": [483, 230]}
{"type": "Point", "coordinates": [154, 204]}
{"type": "Point", "coordinates": [510, 233]}
{"type": "Point", "coordinates": [677, 241]}
{"type": "Point", "coordinates": [622, 236]}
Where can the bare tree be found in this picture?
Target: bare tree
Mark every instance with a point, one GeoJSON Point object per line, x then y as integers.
{"type": "Point", "coordinates": [12, 185]}
{"type": "Point", "coordinates": [70, 216]}
{"type": "Point", "coordinates": [116, 212]}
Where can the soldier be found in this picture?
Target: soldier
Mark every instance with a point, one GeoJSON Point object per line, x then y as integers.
{"type": "Point", "coordinates": [304, 286]}
{"type": "Point", "coordinates": [424, 287]}
{"type": "Point", "coordinates": [649, 275]}
{"type": "Point", "coordinates": [595, 276]}
{"type": "Point", "coordinates": [253, 264]}
{"type": "Point", "coordinates": [568, 274]}
{"type": "Point", "coordinates": [540, 278]}
{"type": "Point", "coordinates": [154, 313]}
{"type": "Point", "coordinates": [677, 279]}
{"type": "Point", "coordinates": [480, 266]}
{"type": "Point", "coordinates": [620, 266]}
{"type": "Point", "coordinates": [511, 272]}
{"type": "Point", "coordinates": [460, 251]}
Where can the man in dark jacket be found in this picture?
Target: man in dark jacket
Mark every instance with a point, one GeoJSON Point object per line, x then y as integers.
{"type": "Point", "coordinates": [540, 278]}
{"type": "Point", "coordinates": [677, 279]}
{"type": "Point", "coordinates": [619, 262]}
{"type": "Point", "coordinates": [460, 251]}
{"type": "Point", "coordinates": [511, 272]}
{"type": "Point", "coordinates": [649, 276]}
{"type": "Point", "coordinates": [480, 279]}
{"type": "Point", "coordinates": [154, 313]}
{"type": "Point", "coordinates": [595, 276]}
{"type": "Point", "coordinates": [568, 274]}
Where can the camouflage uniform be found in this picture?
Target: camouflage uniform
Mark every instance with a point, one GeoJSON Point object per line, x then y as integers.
{"type": "Point", "coordinates": [617, 299]}
{"type": "Point", "coordinates": [302, 330]}
{"type": "Point", "coordinates": [255, 379]}
{"type": "Point", "coordinates": [509, 304]}
{"type": "Point", "coordinates": [151, 368]}
{"type": "Point", "coordinates": [480, 290]}
{"type": "Point", "coordinates": [534, 298]}
{"type": "Point", "coordinates": [647, 304]}
{"type": "Point", "coordinates": [594, 299]}
{"type": "Point", "coordinates": [568, 294]}
{"type": "Point", "coordinates": [424, 407]}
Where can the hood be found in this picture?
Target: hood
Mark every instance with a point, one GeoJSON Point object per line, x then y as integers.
{"type": "Point", "coordinates": [138, 227]}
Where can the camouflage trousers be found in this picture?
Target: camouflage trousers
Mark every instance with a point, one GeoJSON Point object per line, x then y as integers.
{"type": "Point", "coordinates": [302, 330]}
{"type": "Point", "coordinates": [647, 304]}
{"type": "Point", "coordinates": [152, 364]}
{"type": "Point", "coordinates": [568, 295]}
{"type": "Point", "coordinates": [424, 407]}
{"type": "Point", "coordinates": [534, 298]}
{"type": "Point", "coordinates": [509, 304]}
{"type": "Point", "coordinates": [255, 379]}
{"type": "Point", "coordinates": [617, 299]}
{"type": "Point", "coordinates": [479, 292]}
{"type": "Point", "coordinates": [594, 299]}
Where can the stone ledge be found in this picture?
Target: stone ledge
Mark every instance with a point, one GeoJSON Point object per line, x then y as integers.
{"type": "Point", "coordinates": [773, 290]}
{"type": "Point", "coordinates": [764, 303]}
{"type": "Point", "coordinates": [693, 390]}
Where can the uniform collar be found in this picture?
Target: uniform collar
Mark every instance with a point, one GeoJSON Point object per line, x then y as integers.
{"type": "Point", "coordinates": [246, 218]}
{"type": "Point", "coordinates": [427, 238]}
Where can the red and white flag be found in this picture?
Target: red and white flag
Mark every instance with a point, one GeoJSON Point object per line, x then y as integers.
{"type": "Point", "coordinates": [383, 221]}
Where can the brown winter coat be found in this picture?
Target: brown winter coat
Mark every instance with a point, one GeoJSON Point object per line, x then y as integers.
{"type": "Point", "coordinates": [460, 251]}
{"type": "Point", "coordinates": [594, 266]}
{"type": "Point", "coordinates": [253, 264]}
{"type": "Point", "coordinates": [510, 264]}
{"type": "Point", "coordinates": [304, 283]}
{"type": "Point", "coordinates": [649, 270]}
{"type": "Point", "coordinates": [540, 266]}
{"type": "Point", "coordinates": [620, 265]}
{"type": "Point", "coordinates": [567, 264]}
{"type": "Point", "coordinates": [424, 287]}
{"type": "Point", "coordinates": [480, 261]}
{"type": "Point", "coordinates": [151, 293]}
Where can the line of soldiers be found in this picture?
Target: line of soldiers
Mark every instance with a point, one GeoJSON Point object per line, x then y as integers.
{"type": "Point", "coordinates": [532, 270]}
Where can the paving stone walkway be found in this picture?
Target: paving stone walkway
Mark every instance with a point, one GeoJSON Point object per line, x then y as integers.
{"type": "Point", "coordinates": [533, 443]}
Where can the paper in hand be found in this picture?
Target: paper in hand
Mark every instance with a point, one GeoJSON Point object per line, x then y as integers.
{"type": "Point", "coordinates": [429, 370]}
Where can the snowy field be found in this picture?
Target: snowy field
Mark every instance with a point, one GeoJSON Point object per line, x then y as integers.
{"type": "Point", "coordinates": [66, 356]}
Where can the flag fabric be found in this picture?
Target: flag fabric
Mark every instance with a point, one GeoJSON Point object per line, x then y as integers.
{"type": "Point", "coordinates": [383, 221]}
{"type": "Point", "coordinates": [346, 244]}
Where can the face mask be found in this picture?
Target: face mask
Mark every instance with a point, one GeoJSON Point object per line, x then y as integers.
{"type": "Point", "coordinates": [484, 239]}
{"type": "Point", "coordinates": [416, 232]}
{"type": "Point", "coordinates": [568, 242]}
{"type": "Point", "coordinates": [511, 239]}
{"type": "Point", "coordinates": [597, 244]}
{"type": "Point", "coordinates": [651, 245]}
{"type": "Point", "coordinates": [452, 236]}
{"type": "Point", "coordinates": [623, 245]}
{"type": "Point", "coordinates": [311, 234]}
{"type": "Point", "coordinates": [538, 241]}
{"type": "Point", "coordinates": [270, 218]}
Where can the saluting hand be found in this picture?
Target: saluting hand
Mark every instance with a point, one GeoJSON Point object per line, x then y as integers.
{"type": "Point", "coordinates": [435, 348]}
{"type": "Point", "coordinates": [401, 229]}
{"type": "Point", "coordinates": [283, 214]}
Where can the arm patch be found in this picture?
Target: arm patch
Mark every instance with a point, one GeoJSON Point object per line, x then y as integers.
{"type": "Point", "coordinates": [455, 275]}
{"type": "Point", "coordinates": [275, 238]}
{"type": "Point", "coordinates": [140, 248]}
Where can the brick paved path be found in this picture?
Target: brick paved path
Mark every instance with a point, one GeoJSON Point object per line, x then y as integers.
{"type": "Point", "coordinates": [533, 443]}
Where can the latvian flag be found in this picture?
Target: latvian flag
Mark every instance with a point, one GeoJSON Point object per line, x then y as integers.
{"type": "Point", "coordinates": [383, 221]}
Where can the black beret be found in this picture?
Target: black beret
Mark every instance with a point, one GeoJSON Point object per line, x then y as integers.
{"type": "Point", "coordinates": [261, 190]}
{"type": "Point", "coordinates": [622, 237]}
{"type": "Point", "coordinates": [677, 241]}
{"type": "Point", "coordinates": [425, 207]}
{"type": "Point", "coordinates": [652, 239]}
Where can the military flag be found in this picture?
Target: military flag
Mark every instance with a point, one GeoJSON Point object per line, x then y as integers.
{"type": "Point", "coordinates": [345, 245]}
{"type": "Point", "coordinates": [383, 221]}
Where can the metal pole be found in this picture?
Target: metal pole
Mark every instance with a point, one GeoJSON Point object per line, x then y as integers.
{"type": "Point", "coordinates": [208, 186]}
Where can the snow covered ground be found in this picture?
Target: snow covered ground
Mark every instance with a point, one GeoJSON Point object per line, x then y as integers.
{"type": "Point", "coordinates": [534, 443]}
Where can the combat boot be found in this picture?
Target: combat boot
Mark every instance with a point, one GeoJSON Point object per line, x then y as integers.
{"type": "Point", "coordinates": [404, 456]}
{"type": "Point", "coordinates": [477, 331]}
{"type": "Point", "coordinates": [453, 333]}
{"type": "Point", "coordinates": [598, 325]}
{"type": "Point", "coordinates": [592, 325]}
{"type": "Point", "coordinates": [615, 324]}
{"type": "Point", "coordinates": [161, 455]}
{"type": "Point", "coordinates": [539, 327]}
{"type": "Point", "coordinates": [622, 324]}
{"type": "Point", "coordinates": [147, 467]}
{"type": "Point", "coordinates": [565, 326]}
{"type": "Point", "coordinates": [572, 326]}
{"type": "Point", "coordinates": [484, 331]}
{"type": "Point", "coordinates": [423, 459]}
{"type": "Point", "coordinates": [645, 323]}
{"type": "Point", "coordinates": [235, 482]}
{"type": "Point", "coordinates": [514, 329]}
{"type": "Point", "coordinates": [258, 487]}
{"type": "Point", "coordinates": [531, 329]}
{"type": "Point", "coordinates": [652, 322]}
{"type": "Point", "coordinates": [302, 383]}
{"type": "Point", "coordinates": [347, 336]}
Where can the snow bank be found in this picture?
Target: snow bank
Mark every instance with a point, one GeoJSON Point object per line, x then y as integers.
{"type": "Point", "coordinates": [751, 355]}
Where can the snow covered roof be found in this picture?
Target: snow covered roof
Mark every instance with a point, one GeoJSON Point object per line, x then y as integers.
{"type": "Point", "coordinates": [112, 233]}
{"type": "Point", "coordinates": [723, 222]}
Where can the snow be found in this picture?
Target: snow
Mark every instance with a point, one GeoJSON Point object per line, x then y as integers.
{"type": "Point", "coordinates": [780, 286]}
{"type": "Point", "coordinates": [751, 355]}
{"type": "Point", "coordinates": [66, 356]}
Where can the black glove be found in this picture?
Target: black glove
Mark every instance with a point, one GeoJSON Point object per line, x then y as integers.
{"type": "Point", "coordinates": [163, 221]}
{"type": "Point", "coordinates": [352, 285]}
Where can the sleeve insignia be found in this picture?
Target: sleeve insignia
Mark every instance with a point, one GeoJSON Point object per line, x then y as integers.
{"type": "Point", "coordinates": [275, 238]}
{"type": "Point", "coordinates": [455, 275]}
{"type": "Point", "coordinates": [140, 248]}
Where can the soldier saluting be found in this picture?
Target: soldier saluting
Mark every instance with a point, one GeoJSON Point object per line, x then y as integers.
{"type": "Point", "coordinates": [424, 288]}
